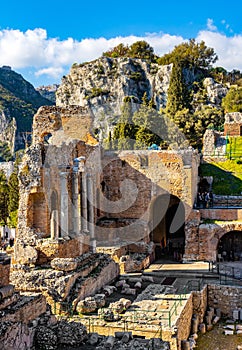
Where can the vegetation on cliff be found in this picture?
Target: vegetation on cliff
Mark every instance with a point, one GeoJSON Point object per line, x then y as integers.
{"type": "Point", "coordinates": [188, 103]}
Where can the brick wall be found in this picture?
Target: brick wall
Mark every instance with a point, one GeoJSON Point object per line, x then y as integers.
{"type": "Point", "coordinates": [221, 214]}
{"type": "Point", "coordinates": [232, 129]}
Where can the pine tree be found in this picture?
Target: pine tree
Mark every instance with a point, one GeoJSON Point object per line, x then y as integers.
{"type": "Point", "coordinates": [148, 124]}
{"type": "Point", "coordinates": [124, 132]}
{"type": "Point", "coordinates": [178, 95]}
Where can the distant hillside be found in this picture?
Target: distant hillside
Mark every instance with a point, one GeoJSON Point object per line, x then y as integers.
{"type": "Point", "coordinates": [48, 91]}
{"type": "Point", "coordinates": [19, 101]}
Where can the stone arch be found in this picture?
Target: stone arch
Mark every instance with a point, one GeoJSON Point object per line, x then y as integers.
{"type": "Point", "coordinates": [166, 224]}
{"type": "Point", "coordinates": [214, 233]}
{"type": "Point", "coordinates": [229, 247]}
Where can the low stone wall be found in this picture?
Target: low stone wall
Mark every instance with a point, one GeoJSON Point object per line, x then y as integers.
{"type": "Point", "coordinates": [226, 298]}
{"type": "Point", "coordinates": [221, 214]}
{"type": "Point", "coordinates": [27, 308]}
{"type": "Point", "coordinates": [49, 250]}
{"type": "Point", "coordinates": [132, 257]}
{"type": "Point", "coordinates": [183, 323]}
{"type": "Point", "coordinates": [227, 201]}
{"type": "Point", "coordinates": [200, 303]}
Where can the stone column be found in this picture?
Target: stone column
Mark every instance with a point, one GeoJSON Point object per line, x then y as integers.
{"type": "Point", "coordinates": [76, 203]}
{"type": "Point", "coordinates": [54, 224]}
{"type": "Point", "coordinates": [64, 204]}
{"type": "Point", "coordinates": [84, 203]}
{"type": "Point", "coordinates": [91, 206]}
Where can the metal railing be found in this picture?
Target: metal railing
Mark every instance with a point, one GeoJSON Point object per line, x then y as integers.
{"type": "Point", "coordinates": [130, 318]}
{"type": "Point", "coordinates": [228, 275]}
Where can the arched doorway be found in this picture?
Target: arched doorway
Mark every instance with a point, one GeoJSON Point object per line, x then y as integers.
{"type": "Point", "coordinates": [167, 227]}
{"type": "Point", "coordinates": [230, 247]}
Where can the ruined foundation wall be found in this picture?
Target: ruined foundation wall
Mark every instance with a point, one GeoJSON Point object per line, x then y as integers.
{"type": "Point", "coordinates": [183, 323]}
{"type": "Point", "coordinates": [200, 303]}
{"type": "Point", "coordinates": [226, 298]}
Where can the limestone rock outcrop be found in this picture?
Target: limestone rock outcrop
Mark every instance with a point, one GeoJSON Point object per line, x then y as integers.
{"type": "Point", "coordinates": [104, 85]}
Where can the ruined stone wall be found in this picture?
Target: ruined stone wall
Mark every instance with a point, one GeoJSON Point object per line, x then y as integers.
{"type": "Point", "coordinates": [30, 308]}
{"type": "Point", "coordinates": [226, 298]}
{"type": "Point", "coordinates": [49, 250]}
{"type": "Point", "coordinates": [183, 323]}
{"type": "Point", "coordinates": [59, 136]}
{"type": "Point", "coordinates": [200, 303]}
{"type": "Point", "coordinates": [209, 236]}
{"type": "Point", "coordinates": [202, 238]}
{"type": "Point", "coordinates": [233, 124]}
{"type": "Point", "coordinates": [221, 214]}
{"type": "Point", "coordinates": [150, 173]}
{"type": "Point", "coordinates": [74, 122]}
{"type": "Point", "coordinates": [232, 129]}
{"type": "Point", "coordinates": [4, 269]}
{"type": "Point", "coordinates": [192, 236]}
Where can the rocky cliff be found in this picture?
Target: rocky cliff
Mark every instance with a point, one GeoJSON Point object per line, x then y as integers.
{"type": "Point", "coordinates": [106, 83]}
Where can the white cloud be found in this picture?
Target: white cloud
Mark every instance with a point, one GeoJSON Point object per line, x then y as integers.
{"type": "Point", "coordinates": [53, 72]}
{"type": "Point", "coordinates": [228, 49]}
{"type": "Point", "coordinates": [52, 57]}
{"type": "Point", "coordinates": [210, 25]}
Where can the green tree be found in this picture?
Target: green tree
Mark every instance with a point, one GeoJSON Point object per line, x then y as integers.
{"type": "Point", "coordinates": [120, 50]}
{"type": "Point", "coordinates": [178, 94]}
{"type": "Point", "coordinates": [5, 153]}
{"type": "Point", "coordinates": [13, 200]}
{"type": "Point", "coordinates": [4, 196]}
{"type": "Point", "coordinates": [141, 49]}
{"type": "Point", "coordinates": [124, 131]}
{"type": "Point", "coordinates": [191, 55]}
{"type": "Point", "coordinates": [148, 125]}
{"type": "Point", "coordinates": [232, 102]}
{"type": "Point", "coordinates": [206, 117]}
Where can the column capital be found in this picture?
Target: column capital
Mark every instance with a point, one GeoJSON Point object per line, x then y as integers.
{"type": "Point", "coordinates": [64, 174]}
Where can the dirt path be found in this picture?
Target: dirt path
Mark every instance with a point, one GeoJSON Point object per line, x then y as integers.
{"type": "Point", "coordinates": [216, 340]}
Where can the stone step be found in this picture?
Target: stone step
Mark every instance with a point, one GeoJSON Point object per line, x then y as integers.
{"type": "Point", "coordinates": [182, 274]}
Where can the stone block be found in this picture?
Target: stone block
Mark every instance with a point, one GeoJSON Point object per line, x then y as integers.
{"type": "Point", "coordinates": [64, 264]}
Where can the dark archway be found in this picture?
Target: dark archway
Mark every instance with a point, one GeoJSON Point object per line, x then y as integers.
{"type": "Point", "coordinates": [230, 246]}
{"type": "Point", "coordinates": [167, 231]}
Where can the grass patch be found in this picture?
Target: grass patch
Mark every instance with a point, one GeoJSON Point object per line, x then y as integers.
{"type": "Point", "coordinates": [234, 147]}
{"type": "Point", "coordinates": [227, 176]}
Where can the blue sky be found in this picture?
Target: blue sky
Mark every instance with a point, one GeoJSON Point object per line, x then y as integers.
{"type": "Point", "coordinates": [41, 39]}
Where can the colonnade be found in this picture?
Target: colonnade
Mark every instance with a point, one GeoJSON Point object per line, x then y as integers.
{"type": "Point", "coordinates": [76, 211]}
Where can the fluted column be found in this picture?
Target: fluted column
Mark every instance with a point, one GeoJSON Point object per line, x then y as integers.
{"type": "Point", "coordinates": [76, 203]}
{"type": "Point", "coordinates": [54, 224]}
{"type": "Point", "coordinates": [91, 206]}
{"type": "Point", "coordinates": [84, 202]}
{"type": "Point", "coordinates": [64, 204]}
